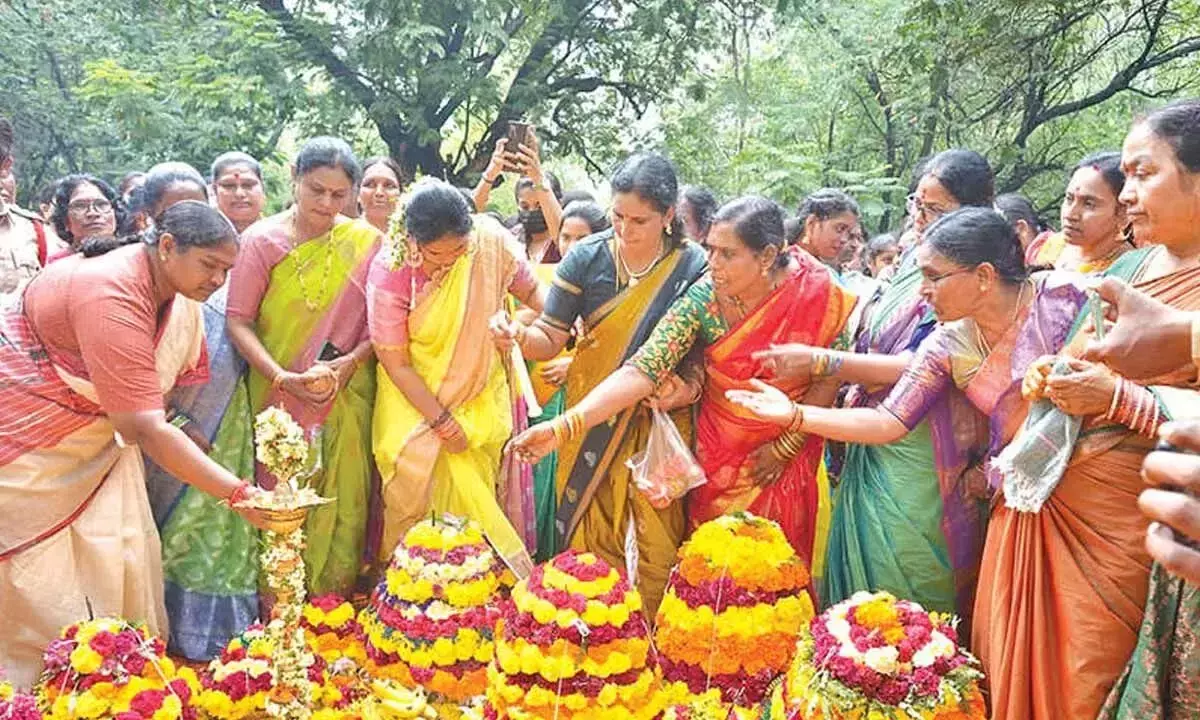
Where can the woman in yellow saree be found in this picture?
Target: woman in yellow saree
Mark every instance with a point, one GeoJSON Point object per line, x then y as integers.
{"type": "Point", "coordinates": [621, 283]}
{"type": "Point", "coordinates": [297, 313]}
{"type": "Point", "coordinates": [444, 407]}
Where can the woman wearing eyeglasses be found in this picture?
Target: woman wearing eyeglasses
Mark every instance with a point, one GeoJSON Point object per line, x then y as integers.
{"type": "Point", "coordinates": [904, 518]}
{"type": "Point", "coordinates": [85, 206]}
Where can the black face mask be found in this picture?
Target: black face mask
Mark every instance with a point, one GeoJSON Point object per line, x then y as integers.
{"type": "Point", "coordinates": [533, 221]}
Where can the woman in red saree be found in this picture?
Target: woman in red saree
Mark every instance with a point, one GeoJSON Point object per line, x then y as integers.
{"type": "Point", "coordinates": [756, 294]}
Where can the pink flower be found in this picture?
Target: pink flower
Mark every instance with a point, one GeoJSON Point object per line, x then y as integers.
{"type": "Point", "coordinates": [135, 664]}
{"type": "Point", "coordinates": [926, 681]}
{"type": "Point", "coordinates": [327, 602]}
{"type": "Point", "coordinates": [126, 643]}
{"type": "Point", "coordinates": [128, 716]}
{"type": "Point", "coordinates": [181, 689]}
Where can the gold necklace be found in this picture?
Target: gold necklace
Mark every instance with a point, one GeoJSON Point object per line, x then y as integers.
{"type": "Point", "coordinates": [984, 345]}
{"type": "Point", "coordinates": [298, 269]}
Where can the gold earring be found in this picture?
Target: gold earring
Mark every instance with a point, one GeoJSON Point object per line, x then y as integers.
{"type": "Point", "coordinates": [669, 230]}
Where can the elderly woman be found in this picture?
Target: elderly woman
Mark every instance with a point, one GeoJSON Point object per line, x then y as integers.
{"type": "Point", "coordinates": [444, 408]}
{"type": "Point", "coordinates": [88, 354]}
{"type": "Point", "coordinates": [1161, 161]}
{"type": "Point", "coordinates": [297, 313]}
{"type": "Point", "coordinates": [211, 587]}
{"type": "Point", "coordinates": [237, 188]}
{"type": "Point", "coordinates": [1093, 219]}
{"type": "Point", "coordinates": [86, 206]}
{"type": "Point", "coordinates": [907, 517]}
{"type": "Point", "coordinates": [380, 191]}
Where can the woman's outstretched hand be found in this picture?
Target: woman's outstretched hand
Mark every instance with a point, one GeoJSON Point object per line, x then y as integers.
{"type": "Point", "coordinates": [535, 443]}
{"type": "Point", "coordinates": [767, 402]}
{"type": "Point", "coordinates": [793, 361]}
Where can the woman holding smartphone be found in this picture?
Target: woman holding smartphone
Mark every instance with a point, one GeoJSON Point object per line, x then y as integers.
{"type": "Point", "coordinates": [537, 192]}
{"type": "Point", "coordinates": [297, 313]}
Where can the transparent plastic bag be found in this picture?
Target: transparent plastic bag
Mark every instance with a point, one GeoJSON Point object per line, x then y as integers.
{"type": "Point", "coordinates": [666, 470]}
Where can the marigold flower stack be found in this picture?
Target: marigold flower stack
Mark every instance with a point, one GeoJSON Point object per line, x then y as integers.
{"type": "Point", "coordinates": [16, 705]}
{"type": "Point", "coordinates": [877, 657]}
{"type": "Point", "coordinates": [239, 683]}
{"type": "Point", "coordinates": [734, 608]}
{"type": "Point", "coordinates": [430, 621]}
{"type": "Point", "coordinates": [109, 668]}
{"type": "Point", "coordinates": [573, 644]}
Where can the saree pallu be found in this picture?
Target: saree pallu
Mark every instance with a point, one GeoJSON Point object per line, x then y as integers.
{"type": "Point", "coordinates": [450, 348]}
{"type": "Point", "coordinates": [340, 429]}
{"type": "Point", "coordinates": [901, 519]}
{"type": "Point", "coordinates": [211, 590]}
{"type": "Point", "coordinates": [1161, 681]}
{"type": "Point", "coordinates": [1062, 591]}
{"type": "Point", "coordinates": [808, 308]}
{"type": "Point", "coordinates": [75, 521]}
{"type": "Point", "coordinates": [598, 503]}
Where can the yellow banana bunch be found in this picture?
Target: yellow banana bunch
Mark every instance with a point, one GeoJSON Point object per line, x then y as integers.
{"type": "Point", "coordinates": [400, 703]}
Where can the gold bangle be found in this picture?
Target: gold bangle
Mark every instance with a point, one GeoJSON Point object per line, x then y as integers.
{"type": "Point", "coordinates": [797, 422]}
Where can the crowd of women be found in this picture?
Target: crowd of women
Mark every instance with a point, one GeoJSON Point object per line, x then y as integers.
{"type": "Point", "coordinates": [917, 412]}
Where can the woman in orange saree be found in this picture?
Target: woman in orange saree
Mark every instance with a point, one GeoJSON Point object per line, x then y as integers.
{"type": "Point", "coordinates": [87, 353]}
{"type": "Point", "coordinates": [756, 294]}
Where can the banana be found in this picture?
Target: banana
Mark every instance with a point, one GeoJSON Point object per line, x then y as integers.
{"type": "Point", "coordinates": [400, 703]}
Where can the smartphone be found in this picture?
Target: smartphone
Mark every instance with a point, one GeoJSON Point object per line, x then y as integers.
{"type": "Point", "coordinates": [518, 134]}
{"type": "Point", "coordinates": [329, 352]}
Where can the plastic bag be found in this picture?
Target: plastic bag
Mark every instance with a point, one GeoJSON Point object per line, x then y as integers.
{"type": "Point", "coordinates": [666, 470]}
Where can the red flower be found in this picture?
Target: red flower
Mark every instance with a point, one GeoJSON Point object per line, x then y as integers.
{"type": "Point", "coordinates": [103, 642]}
{"type": "Point", "coordinates": [926, 681]}
{"type": "Point", "coordinates": [147, 701]}
{"type": "Point", "coordinates": [894, 691]}
{"type": "Point", "coordinates": [128, 716]}
{"type": "Point", "coordinates": [237, 685]}
{"type": "Point", "coordinates": [261, 682]}
{"type": "Point", "coordinates": [135, 664]}
{"type": "Point", "coordinates": [72, 632]}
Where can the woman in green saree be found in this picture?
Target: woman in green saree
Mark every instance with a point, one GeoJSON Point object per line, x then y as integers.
{"type": "Point", "coordinates": [297, 314]}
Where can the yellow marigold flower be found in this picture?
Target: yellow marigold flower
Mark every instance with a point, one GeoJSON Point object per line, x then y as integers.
{"type": "Point", "coordinates": [608, 695]}
{"type": "Point", "coordinates": [88, 706]}
{"type": "Point", "coordinates": [340, 615]}
{"type": "Point", "coordinates": [575, 702]}
{"type": "Point", "coordinates": [85, 660]}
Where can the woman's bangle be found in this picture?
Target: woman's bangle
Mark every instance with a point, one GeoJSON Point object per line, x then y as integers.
{"type": "Point", "coordinates": [238, 495]}
{"type": "Point", "coordinates": [797, 422]}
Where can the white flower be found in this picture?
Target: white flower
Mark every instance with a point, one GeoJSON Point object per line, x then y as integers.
{"type": "Point", "coordinates": [940, 645]}
{"type": "Point", "coordinates": [839, 628]}
{"type": "Point", "coordinates": [882, 660]}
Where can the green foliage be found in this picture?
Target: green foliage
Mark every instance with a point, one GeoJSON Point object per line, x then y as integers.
{"type": "Point", "coordinates": [119, 87]}
{"type": "Point", "coordinates": [772, 96]}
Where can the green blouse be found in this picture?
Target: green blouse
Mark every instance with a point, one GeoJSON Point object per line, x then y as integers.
{"type": "Point", "coordinates": [694, 316]}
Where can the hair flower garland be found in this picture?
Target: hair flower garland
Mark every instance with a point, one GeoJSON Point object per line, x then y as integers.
{"type": "Point", "coordinates": [875, 656]}
{"type": "Point", "coordinates": [109, 668]}
{"type": "Point", "coordinates": [431, 619]}
{"type": "Point", "coordinates": [571, 644]}
{"type": "Point", "coordinates": [734, 608]}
